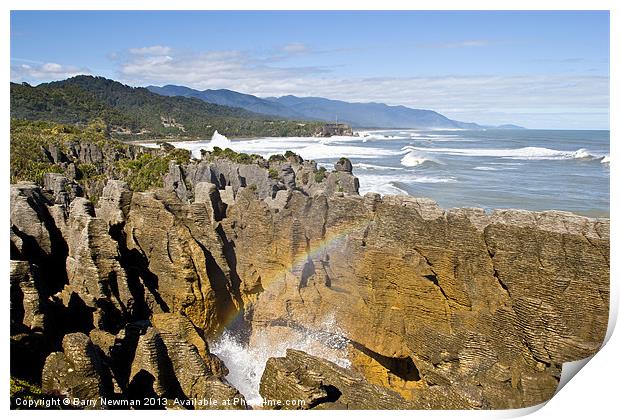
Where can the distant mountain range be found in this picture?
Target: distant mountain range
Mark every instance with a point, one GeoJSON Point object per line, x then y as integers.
{"type": "Point", "coordinates": [367, 115]}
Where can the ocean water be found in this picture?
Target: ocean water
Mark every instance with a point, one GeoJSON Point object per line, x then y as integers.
{"type": "Point", "coordinates": [526, 169]}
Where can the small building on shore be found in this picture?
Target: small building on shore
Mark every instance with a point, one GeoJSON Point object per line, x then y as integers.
{"type": "Point", "coordinates": [334, 129]}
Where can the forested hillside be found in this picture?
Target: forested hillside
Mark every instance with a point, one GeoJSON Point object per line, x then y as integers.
{"type": "Point", "coordinates": [130, 111]}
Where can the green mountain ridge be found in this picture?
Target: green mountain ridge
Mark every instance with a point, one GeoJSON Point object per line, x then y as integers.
{"type": "Point", "coordinates": [134, 111]}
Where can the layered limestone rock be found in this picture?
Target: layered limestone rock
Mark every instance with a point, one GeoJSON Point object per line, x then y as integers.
{"type": "Point", "coordinates": [183, 259]}
{"type": "Point", "coordinates": [77, 372]}
{"type": "Point", "coordinates": [106, 294]}
{"type": "Point", "coordinates": [27, 306]}
{"type": "Point", "coordinates": [436, 308]}
{"type": "Point", "coordinates": [172, 360]}
{"type": "Point", "coordinates": [300, 381]}
{"type": "Point", "coordinates": [488, 306]}
{"type": "Point", "coordinates": [265, 177]}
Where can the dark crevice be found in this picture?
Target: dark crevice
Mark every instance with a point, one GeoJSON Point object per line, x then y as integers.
{"type": "Point", "coordinates": [307, 272]}
{"type": "Point", "coordinates": [403, 367]}
{"type": "Point", "coordinates": [333, 394]}
{"type": "Point", "coordinates": [224, 306]}
{"type": "Point", "coordinates": [491, 253]}
{"type": "Point", "coordinates": [433, 278]}
{"type": "Point", "coordinates": [139, 277]}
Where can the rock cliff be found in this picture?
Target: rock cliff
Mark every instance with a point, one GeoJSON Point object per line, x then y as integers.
{"type": "Point", "coordinates": [435, 308]}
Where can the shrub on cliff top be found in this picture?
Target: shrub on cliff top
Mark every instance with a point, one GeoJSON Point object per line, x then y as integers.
{"type": "Point", "coordinates": [273, 173]}
{"type": "Point", "coordinates": [242, 158]}
{"type": "Point", "coordinates": [321, 174]}
{"type": "Point", "coordinates": [147, 170]}
{"type": "Point", "coordinates": [29, 139]}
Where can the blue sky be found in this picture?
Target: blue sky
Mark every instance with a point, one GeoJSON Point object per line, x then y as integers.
{"type": "Point", "coordinates": [537, 69]}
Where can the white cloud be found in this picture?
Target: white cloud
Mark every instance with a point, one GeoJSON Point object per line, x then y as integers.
{"type": "Point", "coordinates": [532, 101]}
{"type": "Point", "coordinates": [471, 43]}
{"type": "Point", "coordinates": [295, 48]}
{"type": "Point", "coordinates": [43, 72]}
{"type": "Point", "coordinates": [153, 50]}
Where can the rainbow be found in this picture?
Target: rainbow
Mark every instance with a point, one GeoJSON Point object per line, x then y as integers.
{"type": "Point", "coordinates": [336, 236]}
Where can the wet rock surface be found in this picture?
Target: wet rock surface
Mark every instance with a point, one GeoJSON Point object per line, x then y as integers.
{"type": "Point", "coordinates": [438, 309]}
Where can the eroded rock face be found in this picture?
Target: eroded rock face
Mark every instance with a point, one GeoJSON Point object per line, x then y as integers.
{"type": "Point", "coordinates": [321, 384]}
{"type": "Point", "coordinates": [135, 347]}
{"type": "Point", "coordinates": [77, 372]}
{"type": "Point", "coordinates": [438, 309]}
{"type": "Point", "coordinates": [483, 301]}
{"type": "Point", "coordinates": [265, 179]}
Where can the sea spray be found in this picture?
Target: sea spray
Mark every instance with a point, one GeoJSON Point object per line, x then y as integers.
{"type": "Point", "coordinates": [246, 362]}
{"type": "Point", "coordinates": [218, 140]}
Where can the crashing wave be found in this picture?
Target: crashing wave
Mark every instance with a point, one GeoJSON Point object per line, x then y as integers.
{"type": "Point", "coordinates": [368, 166]}
{"type": "Point", "coordinates": [246, 363]}
{"type": "Point", "coordinates": [525, 153]}
{"type": "Point", "coordinates": [415, 158]}
{"type": "Point", "coordinates": [219, 140]}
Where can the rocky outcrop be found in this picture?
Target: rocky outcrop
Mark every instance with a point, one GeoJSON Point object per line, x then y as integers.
{"type": "Point", "coordinates": [110, 332]}
{"type": "Point", "coordinates": [300, 381]}
{"type": "Point", "coordinates": [264, 177]}
{"type": "Point", "coordinates": [436, 309]}
{"type": "Point", "coordinates": [77, 372]}
{"type": "Point", "coordinates": [94, 272]}
{"type": "Point", "coordinates": [483, 301]}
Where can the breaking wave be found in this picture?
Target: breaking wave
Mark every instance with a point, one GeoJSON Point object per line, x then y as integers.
{"type": "Point", "coordinates": [368, 166]}
{"type": "Point", "coordinates": [389, 184]}
{"type": "Point", "coordinates": [219, 140]}
{"type": "Point", "coordinates": [525, 153]}
{"type": "Point", "coordinates": [415, 158]}
{"type": "Point", "coordinates": [246, 363]}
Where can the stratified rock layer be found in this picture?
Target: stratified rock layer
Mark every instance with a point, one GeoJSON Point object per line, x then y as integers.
{"type": "Point", "coordinates": [486, 307]}
{"type": "Point", "coordinates": [438, 309]}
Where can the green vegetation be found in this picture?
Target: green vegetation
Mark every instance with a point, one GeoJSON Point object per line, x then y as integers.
{"type": "Point", "coordinates": [137, 112]}
{"type": "Point", "coordinates": [233, 156]}
{"type": "Point", "coordinates": [273, 173]}
{"type": "Point", "coordinates": [26, 391]}
{"type": "Point", "coordinates": [321, 174]}
{"type": "Point", "coordinates": [87, 170]}
{"type": "Point", "coordinates": [277, 158]}
{"type": "Point", "coordinates": [147, 171]}
{"type": "Point", "coordinates": [29, 140]}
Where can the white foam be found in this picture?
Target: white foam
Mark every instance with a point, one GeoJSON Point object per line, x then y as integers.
{"type": "Point", "coordinates": [246, 363]}
{"type": "Point", "coordinates": [433, 179]}
{"type": "Point", "coordinates": [485, 168]}
{"type": "Point", "coordinates": [385, 184]}
{"type": "Point", "coordinates": [414, 158]}
{"type": "Point", "coordinates": [369, 166]}
{"type": "Point", "coordinates": [524, 153]}
{"type": "Point", "coordinates": [378, 135]}
{"type": "Point", "coordinates": [380, 185]}
{"type": "Point", "coordinates": [218, 140]}
{"type": "Point", "coordinates": [307, 147]}
{"type": "Point", "coordinates": [328, 151]}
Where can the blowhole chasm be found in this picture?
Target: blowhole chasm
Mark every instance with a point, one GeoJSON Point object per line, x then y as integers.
{"type": "Point", "coordinates": [246, 358]}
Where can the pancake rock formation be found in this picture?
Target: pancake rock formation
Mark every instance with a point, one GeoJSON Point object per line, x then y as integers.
{"type": "Point", "coordinates": [434, 308]}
